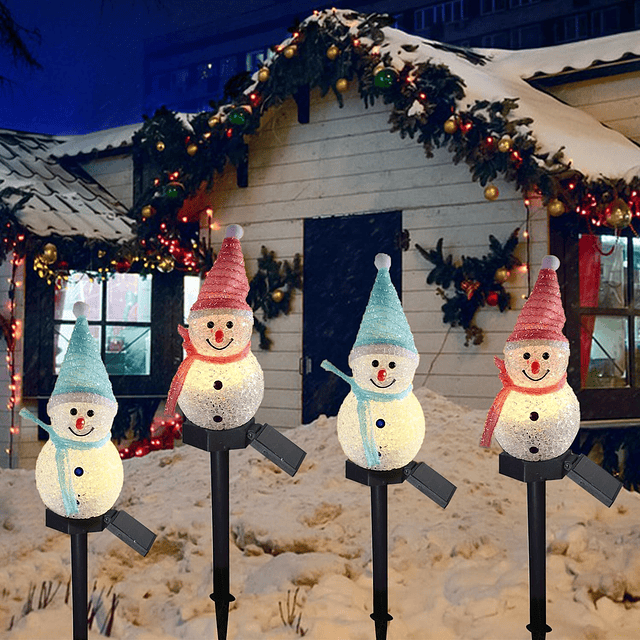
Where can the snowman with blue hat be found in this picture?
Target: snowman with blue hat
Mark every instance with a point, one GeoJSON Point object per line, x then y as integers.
{"type": "Point", "coordinates": [79, 472]}
{"type": "Point", "coordinates": [381, 423]}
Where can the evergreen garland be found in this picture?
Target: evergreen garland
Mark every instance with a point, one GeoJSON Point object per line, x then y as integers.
{"type": "Point", "coordinates": [474, 282]}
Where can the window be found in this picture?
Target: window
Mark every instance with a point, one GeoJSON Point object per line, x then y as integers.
{"type": "Point", "coordinates": [572, 28]}
{"type": "Point", "coordinates": [500, 40]}
{"type": "Point", "coordinates": [600, 278]}
{"type": "Point", "coordinates": [514, 4]}
{"type": "Point", "coordinates": [605, 21]}
{"type": "Point", "coordinates": [526, 37]}
{"type": "Point", "coordinates": [119, 319]}
{"type": "Point", "coordinates": [492, 6]}
{"type": "Point", "coordinates": [442, 13]}
{"type": "Point", "coordinates": [256, 59]}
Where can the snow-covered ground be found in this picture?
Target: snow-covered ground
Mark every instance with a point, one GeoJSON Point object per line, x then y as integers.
{"type": "Point", "coordinates": [459, 573]}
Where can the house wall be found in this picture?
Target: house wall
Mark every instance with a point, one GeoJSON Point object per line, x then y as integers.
{"type": "Point", "coordinates": [613, 100]}
{"type": "Point", "coordinates": [346, 161]}
{"type": "Point", "coordinates": [115, 174]}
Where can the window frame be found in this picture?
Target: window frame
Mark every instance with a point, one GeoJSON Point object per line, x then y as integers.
{"type": "Point", "coordinates": [595, 403]}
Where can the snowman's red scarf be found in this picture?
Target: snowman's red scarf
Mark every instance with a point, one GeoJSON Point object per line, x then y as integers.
{"type": "Point", "coordinates": [192, 355]}
{"type": "Point", "coordinates": [507, 387]}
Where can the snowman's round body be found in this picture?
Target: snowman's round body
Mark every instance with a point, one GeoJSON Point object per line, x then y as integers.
{"type": "Point", "coordinates": [538, 427]}
{"type": "Point", "coordinates": [398, 427]}
{"type": "Point", "coordinates": [222, 396]}
{"type": "Point", "coordinates": [96, 476]}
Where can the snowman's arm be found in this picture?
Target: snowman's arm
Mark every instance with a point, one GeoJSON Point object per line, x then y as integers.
{"type": "Point", "coordinates": [327, 366]}
{"type": "Point", "coordinates": [25, 413]}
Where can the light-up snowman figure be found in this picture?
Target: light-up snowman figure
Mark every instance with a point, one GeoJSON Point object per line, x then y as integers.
{"type": "Point", "coordinates": [381, 424]}
{"type": "Point", "coordinates": [79, 471]}
{"type": "Point", "coordinates": [536, 415]}
{"type": "Point", "coordinates": [220, 384]}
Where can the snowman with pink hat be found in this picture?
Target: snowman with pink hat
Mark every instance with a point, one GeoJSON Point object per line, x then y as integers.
{"type": "Point", "coordinates": [219, 384]}
{"type": "Point", "coordinates": [536, 415]}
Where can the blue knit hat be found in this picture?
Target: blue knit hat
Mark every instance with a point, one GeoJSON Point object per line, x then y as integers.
{"type": "Point", "coordinates": [83, 377]}
{"type": "Point", "coordinates": [384, 327]}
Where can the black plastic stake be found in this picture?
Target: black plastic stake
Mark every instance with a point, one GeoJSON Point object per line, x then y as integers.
{"type": "Point", "coordinates": [536, 511]}
{"type": "Point", "coordinates": [79, 589]}
{"type": "Point", "coordinates": [220, 528]}
{"type": "Point", "coordinates": [380, 541]}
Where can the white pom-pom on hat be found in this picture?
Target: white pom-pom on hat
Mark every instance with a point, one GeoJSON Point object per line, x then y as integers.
{"type": "Point", "coordinates": [382, 261]}
{"type": "Point", "coordinates": [550, 262]}
{"type": "Point", "coordinates": [234, 231]}
{"type": "Point", "coordinates": [80, 309]}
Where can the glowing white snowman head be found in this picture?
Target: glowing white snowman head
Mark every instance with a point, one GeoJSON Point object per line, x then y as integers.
{"type": "Point", "coordinates": [537, 352]}
{"type": "Point", "coordinates": [384, 368]}
{"type": "Point", "coordinates": [221, 321]}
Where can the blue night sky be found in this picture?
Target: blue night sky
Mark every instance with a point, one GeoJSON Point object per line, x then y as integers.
{"type": "Point", "coordinates": [91, 54]}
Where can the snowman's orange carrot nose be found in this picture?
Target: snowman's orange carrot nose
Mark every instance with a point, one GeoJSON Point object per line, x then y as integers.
{"type": "Point", "coordinates": [535, 367]}
{"type": "Point", "coordinates": [382, 375]}
{"type": "Point", "coordinates": [219, 335]}
{"type": "Point", "coordinates": [80, 423]}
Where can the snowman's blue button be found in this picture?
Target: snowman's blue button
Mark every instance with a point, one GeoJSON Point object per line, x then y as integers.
{"type": "Point", "coordinates": [217, 385]}
{"type": "Point", "coordinates": [380, 423]}
{"type": "Point", "coordinates": [534, 416]}
{"type": "Point", "coordinates": [78, 471]}
{"type": "Point", "coordinates": [217, 418]}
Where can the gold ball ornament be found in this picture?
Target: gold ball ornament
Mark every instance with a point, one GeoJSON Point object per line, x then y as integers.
{"type": "Point", "coordinates": [290, 51]}
{"type": "Point", "coordinates": [618, 215]}
{"type": "Point", "coordinates": [505, 144]}
{"type": "Point", "coordinates": [213, 121]}
{"type": "Point", "coordinates": [263, 74]}
{"type": "Point", "coordinates": [502, 274]}
{"type": "Point", "coordinates": [192, 149]}
{"type": "Point", "coordinates": [333, 52]}
{"type": "Point", "coordinates": [277, 295]}
{"type": "Point", "coordinates": [555, 207]}
{"type": "Point", "coordinates": [49, 253]}
{"type": "Point", "coordinates": [101, 253]}
{"type": "Point", "coordinates": [147, 211]}
{"type": "Point", "coordinates": [166, 264]}
{"type": "Point", "coordinates": [451, 125]}
{"type": "Point", "coordinates": [341, 85]}
{"type": "Point", "coordinates": [491, 192]}
{"type": "Point", "coordinates": [160, 146]}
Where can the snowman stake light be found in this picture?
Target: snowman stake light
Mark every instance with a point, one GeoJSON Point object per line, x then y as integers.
{"type": "Point", "coordinates": [219, 387]}
{"type": "Point", "coordinates": [535, 418]}
{"type": "Point", "coordinates": [79, 471]}
{"type": "Point", "coordinates": [381, 424]}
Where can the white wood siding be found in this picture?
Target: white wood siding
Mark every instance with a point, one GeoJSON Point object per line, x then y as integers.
{"type": "Point", "coordinates": [346, 161]}
{"type": "Point", "coordinates": [615, 101]}
{"type": "Point", "coordinates": [115, 174]}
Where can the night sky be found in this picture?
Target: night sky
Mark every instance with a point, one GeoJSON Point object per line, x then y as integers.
{"type": "Point", "coordinates": [91, 53]}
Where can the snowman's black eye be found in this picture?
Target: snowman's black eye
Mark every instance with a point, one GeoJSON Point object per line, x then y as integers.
{"type": "Point", "coordinates": [545, 355]}
{"type": "Point", "coordinates": [229, 325]}
{"type": "Point", "coordinates": [73, 411]}
{"type": "Point", "coordinates": [375, 363]}
{"type": "Point", "coordinates": [392, 365]}
{"type": "Point", "coordinates": [210, 324]}
{"type": "Point", "coordinates": [90, 413]}
{"type": "Point", "coordinates": [526, 356]}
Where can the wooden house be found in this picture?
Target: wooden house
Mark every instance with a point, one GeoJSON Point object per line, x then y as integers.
{"type": "Point", "coordinates": [341, 187]}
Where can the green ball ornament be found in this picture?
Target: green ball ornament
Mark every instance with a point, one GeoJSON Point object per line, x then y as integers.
{"type": "Point", "coordinates": [238, 116]}
{"type": "Point", "coordinates": [173, 190]}
{"type": "Point", "coordinates": [385, 78]}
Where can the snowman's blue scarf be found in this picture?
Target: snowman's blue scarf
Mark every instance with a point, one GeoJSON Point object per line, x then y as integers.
{"type": "Point", "coordinates": [363, 400]}
{"type": "Point", "coordinates": [62, 446]}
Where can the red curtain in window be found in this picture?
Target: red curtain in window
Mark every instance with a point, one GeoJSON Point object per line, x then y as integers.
{"type": "Point", "coordinates": [589, 268]}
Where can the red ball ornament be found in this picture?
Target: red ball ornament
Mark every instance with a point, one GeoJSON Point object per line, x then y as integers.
{"type": "Point", "coordinates": [492, 298]}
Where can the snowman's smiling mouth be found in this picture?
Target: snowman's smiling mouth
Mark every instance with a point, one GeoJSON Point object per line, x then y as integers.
{"type": "Point", "coordinates": [535, 379]}
{"type": "Point", "coordinates": [81, 435]}
{"type": "Point", "coordinates": [213, 346]}
{"type": "Point", "coordinates": [382, 386]}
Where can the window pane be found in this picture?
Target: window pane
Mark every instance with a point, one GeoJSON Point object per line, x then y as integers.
{"type": "Point", "coordinates": [604, 351]}
{"type": "Point", "coordinates": [78, 288]}
{"type": "Point", "coordinates": [191, 289]}
{"type": "Point", "coordinates": [636, 272]}
{"type": "Point", "coordinates": [128, 351]}
{"type": "Point", "coordinates": [603, 271]}
{"type": "Point", "coordinates": [129, 298]}
{"type": "Point", "coordinates": [61, 335]}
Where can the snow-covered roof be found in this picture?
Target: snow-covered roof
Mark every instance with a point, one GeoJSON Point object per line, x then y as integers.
{"type": "Point", "coordinates": [104, 140]}
{"type": "Point", "coordinates": [573, 56]}
{"type": "Point", "coordinates": [493, 75]}
{"type": "Point", "coordinates": [65, 201]}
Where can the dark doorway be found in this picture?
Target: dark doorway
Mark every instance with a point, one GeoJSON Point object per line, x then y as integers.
{"type": "Point", "coordinates": [338, 276]}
